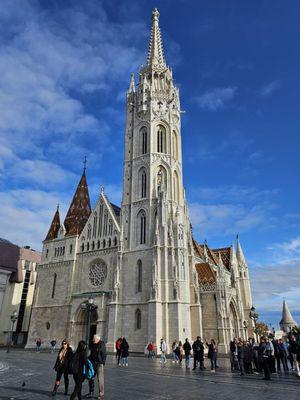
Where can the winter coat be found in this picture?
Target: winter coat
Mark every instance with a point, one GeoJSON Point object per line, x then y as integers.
{"type": "Point", "coordinates": [187, 348]}
{"type": "Point", "coordinates": [163, 346]}
{"type": "Point", "coordinates": [125, 349]}
{"type": "Point", "coordinates": [198, 348]}
{"type": "Point", "coordinates": [240, 352]}
{"type": "Point", "coordinates": [62, 365]}
{"type": "Point", "coordinates": [98, 353]}
{"type": "Point", "coordinates": [212, 350]}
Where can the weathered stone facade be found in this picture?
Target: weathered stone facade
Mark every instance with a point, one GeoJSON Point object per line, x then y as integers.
{"type": "Point", "coordinates": [147, 275]}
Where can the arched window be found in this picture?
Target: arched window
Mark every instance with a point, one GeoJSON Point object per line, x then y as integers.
{"type": "Point", "coordinates": [142, 227]}
{"type": "Point", "coordinates": [88, 246]}
{"type": "Point", "coordinates": [138, 319]}
{"type": "Point", "coordinates": [100, 220]}
{"type": "Point", "coordinates": [89, 231]}
{"type": "Point", "coordinates": [176, 187]}
{"type": "Point", "coordinates": [110, 227]}
{"type": "Point", "coordinates": [175, 145]}
{"type": "Point", "coordinates": [143, 139]}
{"type": "Point", "coordinates": [54, 285]}
{"type": "Point", "coordinates": [93, 245]}
{"type": "Point", "coordinates": [82, 247]}
{"type": "Point", "coordinates": [109, 242]}
{"type": "Point", "coordinates": [115, 241]}
{"type": "Point", "coordinates": [139, 282]}
{"type": "Point", "coordinates": [95, 225]}
{"type": "Point", "coordinates": [161, 139]}
{"type": "Point", "coordinates": [98, 244]}
{"type": "Point", "coordinates": [104, 243]}
{"type": "Point", "coordinates": [105, 224]}
{"type": "Point", "coordinates": [143, 183]}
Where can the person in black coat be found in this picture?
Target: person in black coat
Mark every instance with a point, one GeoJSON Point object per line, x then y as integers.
{"type": "Point", "coordinates": [125, 352]}
{"type": "Point", "coordinates": [198, 350]}
{"type": "Point", "coordinates": [80, 365]}
{"type": "Point", "coordinates": [61, 366]}
{"type": "Point", "coordinates": [97, 358]}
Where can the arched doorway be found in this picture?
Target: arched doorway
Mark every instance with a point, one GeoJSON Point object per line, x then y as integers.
{"type": "Point", "coordinates": [85, 325]}
{"type": "Point", "coordinates": [234, 327]}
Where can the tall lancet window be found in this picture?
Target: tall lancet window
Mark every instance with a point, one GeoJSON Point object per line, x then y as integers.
{"type": "Point", "coordinates": [161, 139]}
{"type": "Point", "coordinates": [143, 183]}
{"type": "Point", "coordinates": [175, 145]}
{"type": "Point", "coordinates": [138, 319]}
{"type": "Point", "coordinates": [176, 187]}
{"type": "Point", "coordinates": [142, 227]}
{"type": "Point", "coordinates": [139, 282]}
{"type": "Point", "coordinates": [143, 138]}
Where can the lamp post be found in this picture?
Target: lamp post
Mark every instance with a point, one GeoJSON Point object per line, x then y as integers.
{"type": "Point", "coordinates": [89, 306]}
{"type": "Point", "coordinates": [245, 324]}
{"type": "Point", "coordinates": [13, 319]}
{"type": "Point", "coordinates": [254, 316]}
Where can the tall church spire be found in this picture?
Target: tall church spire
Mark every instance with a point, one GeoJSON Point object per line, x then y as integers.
{"type": "Point", "coordinates": [54, 227]}
{"type": "Point", "coordinates": [80, 208]}
{"type": "Point", "coordinates": [240, 254]}
{"type": "Point", "coordinates": [155, 51]}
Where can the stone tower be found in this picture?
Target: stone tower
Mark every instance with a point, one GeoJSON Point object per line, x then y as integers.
{"type": "Point", "coordinates": [287, 321]}
{"type": "Point", "coordinates": [154, 295]}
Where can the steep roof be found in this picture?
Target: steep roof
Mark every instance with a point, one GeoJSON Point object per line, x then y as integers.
{"type": "Point", "coordinates": [224, 253]}
{"type": "Point", "coordinates": [287, 318]}
{"type": "Point", "coordinates": [240, 254]}
{"type": "Point", "coordinates": [54, 227]}
{"type": "Point", "coordinates": [80, 209]}
{"type": "Point", "coordinates": [205, 273]}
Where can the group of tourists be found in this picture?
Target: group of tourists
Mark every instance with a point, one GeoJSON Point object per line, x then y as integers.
{"type": "Point", "coordinates": [122, 352]}
{"type": "Point", "coordinates": [81, 366]}
{"type": "Point", "coordinates": [269, 355]}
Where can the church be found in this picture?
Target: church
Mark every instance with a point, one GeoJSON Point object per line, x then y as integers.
{"type": "Point", "coordinates": [136, 270]}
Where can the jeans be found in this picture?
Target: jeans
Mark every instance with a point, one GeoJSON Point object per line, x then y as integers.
{"type": "Point", "coordinates": [175, 358]}
{"type": "Point", "coordinates": [78, 378]}
{"type": "Point", "coordinates": [187, 360]}
{"type": "Point", "coordinates": [241, 366]}
{"type": "Point", "coordinates": [124, 361]}
{"type": "Point", "coordinates": [163, 357]}
{"type": "Point", "coordinates": [213, 361]}
{"type": "Point", "coordinates": [99, 373]}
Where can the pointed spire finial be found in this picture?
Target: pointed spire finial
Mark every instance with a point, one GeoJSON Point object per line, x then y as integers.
{"type": "Point", "coordinates": [132, 84]}
{"type": "Point", "coordinates": [102, 189]}
{"type": "Point", "coordinates": [57, 207]}
{"type": "Point", "coordinates": [84, 165]}
{"type": "Point", "coordinates": [155, 52]}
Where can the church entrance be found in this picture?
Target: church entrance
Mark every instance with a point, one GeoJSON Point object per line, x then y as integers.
{"type": "Point", "coordinates": [234, 328]}
{"type": "Point", "coordinates": [84, 326]}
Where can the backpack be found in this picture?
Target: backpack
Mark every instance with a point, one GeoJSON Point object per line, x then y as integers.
{"type": "Point", "coordinates": [73, 364]}
{"type": "Point", "coordinates": [90, 370]}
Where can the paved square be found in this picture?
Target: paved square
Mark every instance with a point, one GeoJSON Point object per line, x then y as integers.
{"type": "Point", "coordinates": [143, 379]}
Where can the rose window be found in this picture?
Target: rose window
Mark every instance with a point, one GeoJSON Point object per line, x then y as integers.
{"type": "Point", "coordinates": [98, 273]}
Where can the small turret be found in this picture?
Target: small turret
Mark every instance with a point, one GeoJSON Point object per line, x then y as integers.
{"type": "Point", "coordinates": [240, 254]}
{"type": "Point", "coordinates": [132, 84]}
{"type": "Point", "coordinates": [287, 321]}
{"type": "Point", "coordinates": [54, 227]}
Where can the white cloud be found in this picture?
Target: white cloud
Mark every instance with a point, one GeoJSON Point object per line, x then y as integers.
{"type": "Point", "coordinates": [270, 88]}
{"type": "Point", "coordinates": [289, 249]}
{"type": "Point", "coordinates": [216, 99]}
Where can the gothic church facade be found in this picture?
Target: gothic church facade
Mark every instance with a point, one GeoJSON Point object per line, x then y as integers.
{"type": "Point", "coordinates": [148, 276]}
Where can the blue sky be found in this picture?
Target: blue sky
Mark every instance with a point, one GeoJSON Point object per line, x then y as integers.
{"type": "Point", "coordinates": [64, 70]}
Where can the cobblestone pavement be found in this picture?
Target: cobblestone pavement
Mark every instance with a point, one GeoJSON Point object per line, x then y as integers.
{"type": "Point", "coordinates": [143, 379]}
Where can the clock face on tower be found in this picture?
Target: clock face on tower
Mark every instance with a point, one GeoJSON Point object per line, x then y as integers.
{"type": "Point", "coordinates": [97, 273]}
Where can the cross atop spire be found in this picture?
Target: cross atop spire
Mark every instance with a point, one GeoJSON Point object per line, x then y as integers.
{"type": "Point", "coordinates": [155, 51]}
{"type": "Point", "coordinates": [84, 165]}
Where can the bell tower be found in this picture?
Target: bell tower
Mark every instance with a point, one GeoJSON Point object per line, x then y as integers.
{"type": "Point", "coordinates": [154, 296]}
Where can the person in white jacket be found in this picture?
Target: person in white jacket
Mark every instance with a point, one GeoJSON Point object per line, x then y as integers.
{"type": "Point", "coordinates": [163, 349]}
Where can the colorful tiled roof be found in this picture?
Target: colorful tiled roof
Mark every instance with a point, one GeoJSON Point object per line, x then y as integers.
{"type": "Point", "coordinates": [225, 255]}
{"type": "Point", "coordinates": [80, 209]}
{"type": "Point", "coordinates": [54, 227]}
{"type": "Point", "coordinates": [205, 273]}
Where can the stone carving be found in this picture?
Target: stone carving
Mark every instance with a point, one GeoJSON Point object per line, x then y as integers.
{"type": "Point", "coordinates": [97, 273]}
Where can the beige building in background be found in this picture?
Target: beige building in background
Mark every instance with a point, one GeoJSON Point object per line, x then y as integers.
{"type": "Point", "coordinates": [17, 283]}
{"type": "Point", "coordinates": [146, 273]}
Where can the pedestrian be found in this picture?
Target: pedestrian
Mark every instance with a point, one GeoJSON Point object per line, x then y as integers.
{"type": "Point", "coordinates": [174, 346]}
{"type": "Point", "coordinates": [125, 352]}
{"type": "Point", "coordinates": [118, 350]}
{"type": "Point", "coordinates": [187, 351]}
{"type": "Point", "coordinates": [240, 357]}
{"type": "Point", "coordinates": [212, 354]}
{"type": "Point", "coordinates": [151, 349]}
{"type": "Point", "coordinates": [163, 349]}
{"type": "Point", "coordinates": [283, 354]}
{"type": "Point", "coordinates": [264, 352]}
{"type": "Point", "coordinates": [38, 344]}
{"type": "Point", "coordinates": [179, 352]}
{"type": "Point", "coordinates": [78, 364]}
{"type": "Point", "coordinates": [233, 355]}
{"type": "Point", "coordinates": [97, 358]}
{"type": "Point", "coordinates": [248, 357]}
{"type": "Point", "coordinates": [53, 344]}
{"type": "Point", "coordinates": [294, 350]}
{"type": "Point", "coordinates": [61, 366]}
{"type": "Point", "coordinates": [198, 353]}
